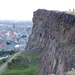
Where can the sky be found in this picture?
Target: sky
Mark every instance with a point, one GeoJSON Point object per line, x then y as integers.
{"type": "Point", "coordinates": [23, 9]}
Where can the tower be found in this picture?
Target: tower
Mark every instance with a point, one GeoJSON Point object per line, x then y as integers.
{"type": "Point", "coordinates": [13, 25]}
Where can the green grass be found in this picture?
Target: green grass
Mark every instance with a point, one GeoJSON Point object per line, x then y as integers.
{"type": "Point", "coordinates": [72, 47]}
{"type": "Point", "coordinates": [28, 71]}
{"type": "Point", "coordinates": [22, 65]}
{"type": "Point", "coordinates": [1, 63]}
{"type": "Point", "coordinates": [72, 13]}
{"type": "Point", "coordinates": [71, 73]}
{"type": "Point", "coordinates": [64, 41]}
{"type": "Point", "coordinates": [30, 55]}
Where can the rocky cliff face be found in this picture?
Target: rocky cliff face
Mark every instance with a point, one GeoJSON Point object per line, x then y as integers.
{"type": "Point", "coordinates": [53, 37]}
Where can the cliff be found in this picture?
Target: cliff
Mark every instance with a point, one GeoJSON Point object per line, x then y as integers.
{"type": "Point", "coordinates": [53, 37]}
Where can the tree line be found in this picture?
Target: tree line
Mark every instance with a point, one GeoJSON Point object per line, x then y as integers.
{"type": "Point", "coordinates": [6, 52]}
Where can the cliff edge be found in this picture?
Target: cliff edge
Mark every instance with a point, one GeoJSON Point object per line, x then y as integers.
{"type": "Point", "coordinates": [53, 37]}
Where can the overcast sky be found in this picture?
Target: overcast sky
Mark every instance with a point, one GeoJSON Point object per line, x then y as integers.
{"type": "Point", "coordinates": [23, 9]}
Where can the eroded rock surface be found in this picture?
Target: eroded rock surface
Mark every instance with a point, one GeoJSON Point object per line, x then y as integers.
{"type": "Point", "coordinates": [53, 37]}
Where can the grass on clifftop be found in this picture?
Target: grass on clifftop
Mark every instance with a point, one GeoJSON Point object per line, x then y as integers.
{"type": "Point", "coordinates": [71, 73]}
{"type": "Point", "coordinates": [72, 13]}
{"type": "Point", "coordinates": [23, 64]}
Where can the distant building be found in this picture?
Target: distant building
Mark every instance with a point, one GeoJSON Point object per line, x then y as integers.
{"type": "Point", "coordinates": [13, 25]}
{"type": "Point", "coordinates": [4, 56]}
{"type": "Point", "coordinates": [73, 10]}
{"type": "Point", "coordinates": [17, 48]}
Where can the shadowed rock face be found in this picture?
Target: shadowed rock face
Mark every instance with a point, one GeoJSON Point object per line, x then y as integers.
{"type": "Point", "coordinates": [53, 37]}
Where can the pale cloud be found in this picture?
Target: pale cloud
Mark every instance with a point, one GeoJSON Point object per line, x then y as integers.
{"type": "Point", "coordinates": [23, 9]}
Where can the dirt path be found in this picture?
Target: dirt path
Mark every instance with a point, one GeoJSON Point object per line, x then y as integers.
{"type": "Point", "coordinates": [3, 66]}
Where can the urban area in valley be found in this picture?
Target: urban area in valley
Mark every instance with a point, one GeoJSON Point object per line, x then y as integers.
{"type": "Point", "coordinates": [13, 36]}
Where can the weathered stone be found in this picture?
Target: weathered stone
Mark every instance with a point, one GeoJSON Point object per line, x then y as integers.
{"type": "Point", "coordinates": [53, 37]}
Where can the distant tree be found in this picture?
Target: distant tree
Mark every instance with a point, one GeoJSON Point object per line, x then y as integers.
{"type": "Point", "coordinates": [23, 36]}
{"type": "Point", "coordinates": [3, 60]}
{"type": "Point", "coordinates": [2, 52]}
{"type": "Point", "coordinates": [10, 52]}
{"type": "Point", "coordinates": [7, 52]}
{"type": "Point", "coordinates": [8, 43]}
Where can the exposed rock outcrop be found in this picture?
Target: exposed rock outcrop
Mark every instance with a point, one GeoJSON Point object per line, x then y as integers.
{"type": "Point", "coordinates": [53, 37]}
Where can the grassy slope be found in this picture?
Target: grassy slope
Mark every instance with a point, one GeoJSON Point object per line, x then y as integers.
{"type": "Point", "coordinates": [23, 65]}
{"type": "Point", "coordinates": [7, 59]}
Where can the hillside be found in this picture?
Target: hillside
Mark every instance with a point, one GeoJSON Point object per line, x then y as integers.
{"type": "Point", "coordinates": [53, 38]}
{"type": "Point", "coordinates": [23, 64]}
